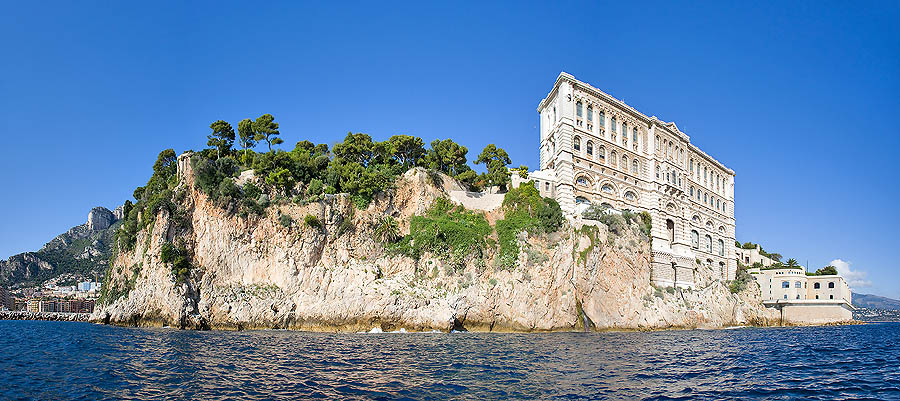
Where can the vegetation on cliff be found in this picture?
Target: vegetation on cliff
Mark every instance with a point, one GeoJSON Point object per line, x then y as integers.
{"type": "Point", "coordinates": [358, 166]}
{"type": "Point", "coordinates": [525, 210]}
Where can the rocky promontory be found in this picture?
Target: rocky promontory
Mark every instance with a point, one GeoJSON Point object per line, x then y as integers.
{"type": "Point", "coordinates": [324, 265]}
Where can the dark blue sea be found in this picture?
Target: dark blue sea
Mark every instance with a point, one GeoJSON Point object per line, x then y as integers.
{"type": "Point", "coordinates": [59, 360]}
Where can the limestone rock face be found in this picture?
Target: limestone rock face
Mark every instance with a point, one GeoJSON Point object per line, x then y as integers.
{"type": "Point", "coordinates": [255, 272]}
{"type": "Point", "coordinates": [119, 213]}
{"type": "Point", "coordinates": [100, 218]}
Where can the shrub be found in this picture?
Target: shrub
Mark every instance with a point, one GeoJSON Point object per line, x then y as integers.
{"type": "Point", "coordinates": [315, 187]}
{"type": "Point", "coordinates": [646, 224]}
{"type": "Point", "coordinates": [178, 257]}
{"type": "Point", "coordinates": [312, 221]}
{"type": "Point", "coordinates": [594, 212]}
{"type": "Point", "coordinates": [525, 210]}
{"type": "Point", "coordinates": [741, 280]}
{"type": "Point", "coordinates": [285, 220]}
{"type": "Point", "coordinates": [282, 180]}
{"type": "Point", "coordinates": [446, 230]}
{"type": "Point", "coordinates": [387, 230]}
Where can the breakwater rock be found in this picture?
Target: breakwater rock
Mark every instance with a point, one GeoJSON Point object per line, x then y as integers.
{"type": "Point", "coordinates": [55, 316]}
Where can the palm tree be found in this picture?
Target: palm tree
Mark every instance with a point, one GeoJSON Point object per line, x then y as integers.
{"type": "Point", "coordinates": [792, 263]}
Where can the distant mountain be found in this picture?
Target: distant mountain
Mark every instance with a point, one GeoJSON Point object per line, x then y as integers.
{"type": "Point", "coordinates": [77, 254]}
{"type": "Point", "coordinates": [875, 302]}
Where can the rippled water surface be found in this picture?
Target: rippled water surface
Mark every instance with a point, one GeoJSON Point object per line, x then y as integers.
{"type": "Point", "coordinates": [59, 360]}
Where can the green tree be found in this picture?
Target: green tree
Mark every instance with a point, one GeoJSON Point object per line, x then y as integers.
{"type": "Point", "coordinates": [266, 129]}
{"type": "Point", "coordinates": [357, 148]}
{"type": "Point", "coordinates": [221, 138]}
{"type": "Point", "coordinates": [523, 171]}
{"type": "Point", "coordinates": [165, 165]}
{"type": "Point", "coordinates": [282, 180]}
{"type": "Point", "coordinates": [310, 161]}
{"type": "Point", "coordinates": [827, 270]}
{"type": "Point", "coordinates": [775, 256]}
{"type": "Point", "coordinates": [792, 263]}
{"type": "Point", "coordinates": [448, 157]}
{"type": "Point", "coordinates": [408, 151]}
{"type": "Point", "coordinates": [495, 159]}
{"type": "Point", "coordinates": [246, 137]}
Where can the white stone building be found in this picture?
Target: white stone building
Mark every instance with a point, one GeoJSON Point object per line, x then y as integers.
{"type": "Point", "coordinates": [751, 256]}
{"type": "Point", "coordinates": [597, 149]}
{"type": "Point", "coordinates": [804, 299]}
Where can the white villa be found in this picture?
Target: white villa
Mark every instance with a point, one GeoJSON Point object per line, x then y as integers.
{"type": "Point", "coordinates": [802, 298]}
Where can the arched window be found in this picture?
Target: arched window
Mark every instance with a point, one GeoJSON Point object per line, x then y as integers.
{"type": "Point", "coordinates": [634, 134]}
{"type": "Point", "coordinates": [635, 166]}
{"type": "Point", "coordinates": [718, 205]}
{"type": "Point", "coordinates": [695, 239]}
{"type": "Point", "coordinates": [624, 163]}
{"type": "Point", "coordinates": [708, 244]}
{"type": "Point", "coordinates": [670, 230]}
{"type": "Point", "coordinates": [704, 198]}
{"type": "Point", "coordinates": [578, 109]}
{"type": "Point", "coordinates": [704, 173]}
{"type": "Point", "coordinates": [657, 172]}
{"type": "Point", "coordinates": [817, 285]}
{"type": "Point", "coordinates": [624, 131]}
{"type": "Point", "coordinates": [613, 122]}
{"type": "Point", "coordinates": [601, 118]}
{"type": "Point", "coordinates": [722, 229]}
{"type": "Point", "coordinates": [630, 196]}
{"type": "Point", "coordinates": [581, 181]}
{"type": "Point", "coordinates": [614, 158]}
{"type": "Point", "coordinates": [581, 200]}
{"type": "Point", "coordinates": [831, 284]}
{"type": "Point", "coordinates": [696, 219]}
{"type": "Point", "coordinates": [692, 191]}
{"type": "Point", "coordinates": [576, 143]}
{"type": "Point", "coordinates": [692, 166]}
{"type": "Point", "coordinates": [607, 188]}
{"type": "Point", "coordinates": [601, 153]}
{"type": "Point", "coordinates": [590, 148]}
{"type": "Point", "coordinates": [721, 248]}
{"type": "Point", "coordinates": [590, 116]}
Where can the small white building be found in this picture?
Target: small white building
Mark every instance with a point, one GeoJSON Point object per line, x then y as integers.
{"type": "Point", "coordinates": [752, 256]}
{"type": "Point", "coordinates": [804, 299]}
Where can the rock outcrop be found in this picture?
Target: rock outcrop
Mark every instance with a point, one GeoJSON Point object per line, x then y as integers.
{"type": "Point", "coordinates": [261, 272]}
{"type": "Point", "coordinates": [80, 252]}
{"type": "Point", "coordinates": [100, 218]}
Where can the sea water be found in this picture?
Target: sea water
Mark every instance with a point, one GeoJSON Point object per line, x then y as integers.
{"type": "Point", "coordinates": [62, 360]}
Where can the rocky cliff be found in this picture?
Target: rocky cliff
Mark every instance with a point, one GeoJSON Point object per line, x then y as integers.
{"type": "Point", "coordinates": [79, 253]}
{"type": "Point", "coordinates": [272, 271]}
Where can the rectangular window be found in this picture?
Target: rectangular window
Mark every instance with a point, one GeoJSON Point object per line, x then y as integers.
{"type": "Point", "coordinates": [798, 285]}
{"type": "Point", "coordinates": [785, 284]}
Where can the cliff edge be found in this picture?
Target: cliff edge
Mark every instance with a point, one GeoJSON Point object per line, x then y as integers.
{"type": "Point", "coordinates": [325, 266]}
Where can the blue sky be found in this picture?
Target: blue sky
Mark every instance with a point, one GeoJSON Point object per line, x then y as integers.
{"type": "Point", "coordinates": [799, 100]}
